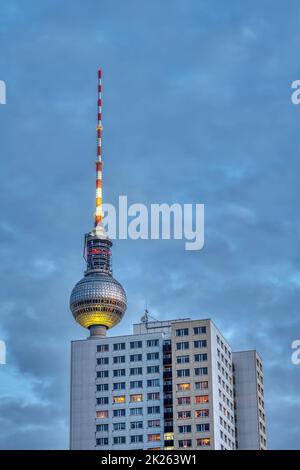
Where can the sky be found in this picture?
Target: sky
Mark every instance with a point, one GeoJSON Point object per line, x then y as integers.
{"type": "Point", "coordinates": [196, 109]}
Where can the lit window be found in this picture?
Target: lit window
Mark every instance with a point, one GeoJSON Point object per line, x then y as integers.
{"type": "Point", "coordinates": [183, 387]}
{"type": "Point", "coordinates": [102, 414]}
{"type": "Point", "coordinates": [203, 442]}
{"type": "Point", "coordinates": [119, 399]}
{"type": "Point", "coordinates": [202, 399]}
{"type": "Point", "coordinates": [202, 413]}
{"type": "Point", "coordinates": [135, 398]}
{"type": "Point", "coordinates": [153, 437]}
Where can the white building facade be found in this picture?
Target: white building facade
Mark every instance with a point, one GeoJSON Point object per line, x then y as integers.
{"type": "Point", "coordinates": [249, 399]}
{"type": "Point", "coordinates": [170, 385]}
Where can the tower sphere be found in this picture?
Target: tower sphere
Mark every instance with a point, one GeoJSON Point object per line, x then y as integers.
{"type": "Point", "coordinates": [98, 299]}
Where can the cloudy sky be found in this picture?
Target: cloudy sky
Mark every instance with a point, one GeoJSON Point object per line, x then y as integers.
{"type": "Point", "coordinates": [196, 109]}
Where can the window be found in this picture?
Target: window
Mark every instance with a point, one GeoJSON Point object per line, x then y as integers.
{"type": "Point", "coordinates": [137, 438]}
{"type": "Point", "coordinates": [119, 346]}
{"type": "Point", "coordinates": [182, 346]}
{"type": "Point", "coordinates": [201, 343]}
{"type": "Point", "coordinates": [136, 357]}
{"type": "Point", "coordinates": [101, 427]}
{"type": "Point", "coordinates": [119, 426]}
{"type": "Point", "coordinates": [119, 399]}
{"type": "Point", "coordinates": [153, 437]}
{"type": "Point", "coordinates": [152, 369]}
{"type": "Point", "coordinates": [151, 343]}
{"type": "Point", "coordinates": [200, 357]}
{"type": "Point", "coordinates": [203, 442]}
{"type": "Point", "coordinates": [102, 374]}
{"type": "Point", "coordinates": [119, 440]}
{"type": "Point", "coordinates": [102, 361]}
{"type": "Point", "coordinates": [184, 414]}
{"type": "Point", "coordinates": [202, 399]}
{"type": "Point", "coordinates": [119, 359]}
{"type": "Point", "coordinates": [102, 348]}
{"type": "Point", "coordinates": [183, 359]}
{"type": "Point", "coordinates": [154, 423]}
{"type": "Point", "coordinates": [102, 441]}
{"type": "Point", "coordinates": [102, 414]}
{"type": "Point", "coordinates": [185, 443]}
{"type": "Point", "coordinates": [119, 386]}
{"type": "Point", "coordinates": [201, 385]}
{"type": "Point", "coordinates": [153, 383]}
{"type": "Point", "coordinates": [135, 344]}
{"type": "Point", "coordinates": [183, 373]}
{"type": "Point", "coordinates": [136, 425]}
{"type": "Point", "coordinates": [200, 330]}
{"type": "Point", "coordinates": [102, 401]}
{"type": "Point", "coordinates": [152, 356]}
{"type": "Point", "coordinates": [184, 429]}
{"type": "Point", "coordinates": [182, 332]}
{"type": "Point", "coordinates": [136, 384]}
{"type": "Point", "coordinates": [102, 387]}
{"type": "Point", "coordinates": [136, 411]}
{"type": "Point", "coordinates": [183, 387]}
{"type": "Point", "coordinates": [119, 372]}
{"type": "Point", "coordinates": [202, 413]}
{"type": "Point", "coordinates": [184, 400]}
{"type": "Point", "coordinates": [119, 413]}
{"type": "Point", "coordinates": [153, 396]}
{"type": "Point", "coordinates": [153, 410]}
{"type": "Point", "coordinates": [136, 371]}
{"type": "Point", "coordinates": [201, 371]}
{"type": "Point", "coordinates": [202, 427]}
{"type": "Point", "coordinates": [136, 398]}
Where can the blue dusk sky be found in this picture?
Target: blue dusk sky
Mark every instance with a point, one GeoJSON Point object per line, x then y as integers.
{"type": "Point", "coordinates": [196, 109]}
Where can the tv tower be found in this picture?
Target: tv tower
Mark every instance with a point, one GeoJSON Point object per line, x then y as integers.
{"type": "Point", "coordinates": [98, 301]}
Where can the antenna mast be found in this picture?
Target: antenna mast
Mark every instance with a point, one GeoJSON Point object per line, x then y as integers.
{"type": "Point", "coordinates": [99, 210]}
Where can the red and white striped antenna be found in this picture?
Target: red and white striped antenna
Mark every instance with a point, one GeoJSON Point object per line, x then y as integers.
{"type": "Point", "coordinates": [99, 209]}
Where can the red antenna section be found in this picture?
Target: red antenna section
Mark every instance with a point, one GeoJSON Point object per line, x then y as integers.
{"type": "Point", "coordinates": [99, 210]}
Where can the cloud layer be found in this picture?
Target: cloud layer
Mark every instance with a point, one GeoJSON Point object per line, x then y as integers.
{"type": "Point", "coordinates": [196, 108]}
